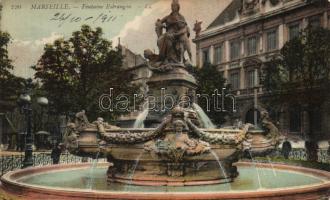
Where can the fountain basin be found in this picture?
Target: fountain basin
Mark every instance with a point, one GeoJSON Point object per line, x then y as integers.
{"type": "Point", "coordinates": [133, 165]}
{"type": "Point", "coordinates": [69, 182]}
{"type": "Point", "coordinates": [152, 169]}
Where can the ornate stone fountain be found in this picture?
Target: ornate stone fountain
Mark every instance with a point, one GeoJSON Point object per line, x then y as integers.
{"type": "Point", "coordinates": [178, 150]}
{"type": "Point", "coordinates": [175, 153]}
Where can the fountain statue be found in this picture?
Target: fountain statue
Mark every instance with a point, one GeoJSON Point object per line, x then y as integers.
{"type": "Point", "coordinates": [175, 41]}
{"type": "Point", "coordinates": [177, 147]}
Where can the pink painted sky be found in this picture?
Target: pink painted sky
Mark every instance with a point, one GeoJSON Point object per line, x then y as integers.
{"type": "Point", "coordinates": [31, 29]}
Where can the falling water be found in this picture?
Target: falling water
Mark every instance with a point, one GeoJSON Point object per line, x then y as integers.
{"type": "Point", "coordinates": [203, 117]}
{"type": "Point", "coordinates": [136, 162]}
{"type": "Point", "coordinates": [91, 172]}
{"type": "Point", "coordinates": [140, 119]}
{"type": "Point", "coordinates": [255, 166]}
{"type": "Point", "coordinates": [221, 167]}
{"type": "Point", "coordinates": [271, 164]}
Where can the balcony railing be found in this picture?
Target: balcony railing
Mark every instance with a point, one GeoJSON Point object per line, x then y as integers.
{"type": "Point", "coordinates": [247, 91]}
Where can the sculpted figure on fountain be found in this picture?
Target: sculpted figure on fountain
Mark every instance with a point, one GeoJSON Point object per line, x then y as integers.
{"type": "Point", "coordinates": [173, 43]}
{"type": "Point", "coordinates": [176, 142]}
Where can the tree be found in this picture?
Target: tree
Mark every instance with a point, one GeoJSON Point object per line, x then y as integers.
{"type": "Point", "coordinates": [10, 85]}
{"type": "Point", "coordinates": [77, 71]}
{"type": "Point", "coordinates": [300, 76]}
{"type": "Point", "coordinates": [209, 79]}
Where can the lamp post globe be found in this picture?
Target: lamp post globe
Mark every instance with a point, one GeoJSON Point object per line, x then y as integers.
{"type": "Point", "coordinates": [43, 101]}
{"type": "Point", "coordinates": [24, 99]}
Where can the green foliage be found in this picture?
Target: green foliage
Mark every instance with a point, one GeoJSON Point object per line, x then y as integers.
{"type": "Point", "coordinates": [76, 72]}
{"type": "Point", "coordinates": [282, 160]}
{"type": "Point", "coordinates": [300, 75]}
{"type": "Point", "coordinates": [10, 85]}
{"type": "Point", "coordinates": [210, 79]}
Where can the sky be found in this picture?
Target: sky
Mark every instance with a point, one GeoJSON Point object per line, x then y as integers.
{"type": "Point", "coordinates": [34, 23]}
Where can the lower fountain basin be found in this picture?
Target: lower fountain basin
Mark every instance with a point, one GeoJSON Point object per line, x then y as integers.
{"type": "Point", "coordinates": [80, 181]}
{"type": "Point", "coordinates": [151, 170]}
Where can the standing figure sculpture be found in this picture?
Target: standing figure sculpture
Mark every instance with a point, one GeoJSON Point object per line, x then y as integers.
{"type": "Point", "coordinates": [198, 27]}
{"type": "Point", "coordinates": [175, 42]}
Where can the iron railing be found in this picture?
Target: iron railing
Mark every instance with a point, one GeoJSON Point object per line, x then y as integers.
{"type": "Point", "coordinates": [13, 162]}
{"type": "Point", "coordinates": [301, 154]}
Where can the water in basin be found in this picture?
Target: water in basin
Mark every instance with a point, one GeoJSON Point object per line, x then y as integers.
{"type": "Point", "coordinates": [247, 180]}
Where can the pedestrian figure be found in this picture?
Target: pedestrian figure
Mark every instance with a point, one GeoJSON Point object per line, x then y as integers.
{"type": "Point", "coordinates": [286, 149]}
{"type": "Point", "coordinates": [56, 154]}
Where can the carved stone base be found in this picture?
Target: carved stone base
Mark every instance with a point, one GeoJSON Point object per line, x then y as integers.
{"type": "Point", "coordinates": [171, 174]}
{"type": "Point", "coordinates": [175, 83]}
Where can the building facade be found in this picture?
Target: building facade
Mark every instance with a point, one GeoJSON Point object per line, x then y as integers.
{"type": "Point", "coordinates": [138, 67]}
{"type": "Point", "coordinates": [247, 34]}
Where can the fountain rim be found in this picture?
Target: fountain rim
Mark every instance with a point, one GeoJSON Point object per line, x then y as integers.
{"type": "Point", "coordinates": [226, 130]}
{"type": "Point", "coordinates": [10, 180]}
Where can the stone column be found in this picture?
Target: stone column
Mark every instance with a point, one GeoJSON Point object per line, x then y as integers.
{"type": "Point", "coordinates": [226, 57]}
{"type": "Point", "coordinates": [226, 73]}
{"type": "Point", "coordinates": [211, 56]}
{"type": "Point", "coordinates": [282, 35]}
{"type": "Point", "coordinates": [261, 42]}
{"type": "Point", "coordinates": [264, 41]}
{"type": "Point", "coordinates": [198, 53]}
{"type": "Point", "coordinates": [242, 47]}
{"type": "Point", "coordinates": [200, 58]}
{"type": "Point", "coordinates": [242, 78]}
{"type": "Point", "coordinates": [325, 19]}
{"type": "Point", "coordinates": [227, 51]}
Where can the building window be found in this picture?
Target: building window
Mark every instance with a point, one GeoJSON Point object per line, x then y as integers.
{"type": "Point", "coordinates": [234, 80]}
{"type": "Point", "coordinates": [294, 31]}
{"type": "Point", "coordinates": [235, 49]}
{"type": "Point", "coordinates": [206, 56]}
{"type": "Point", "coordinates": [314, 22]}
{"type": "Point", "coordinates": [250, 79]}
{"type": "Point", "coordinates": [218, 54]}
{"type": "Point", "coordinates": [252, 45]}
{"type": "Point", "coordinates": [233, 65]}
{"type": "Point", "coordinates": [272, 40]}
{"type": "Point", "coordinates": [295, 119]}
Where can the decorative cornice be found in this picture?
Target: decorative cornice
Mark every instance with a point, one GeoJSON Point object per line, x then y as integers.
{"type": "Point", "coordinates": [258, 17]}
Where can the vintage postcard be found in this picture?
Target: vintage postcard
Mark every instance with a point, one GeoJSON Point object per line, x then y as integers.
{"type": "Point", "coordinates": [164, 99]}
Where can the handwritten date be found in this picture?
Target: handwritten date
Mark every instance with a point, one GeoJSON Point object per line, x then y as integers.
{"type": "Point", "coordinates": [63, 18]}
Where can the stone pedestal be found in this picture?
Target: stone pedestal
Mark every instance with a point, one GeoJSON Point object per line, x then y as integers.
{"type": "Point", "coordinates": [166, 90]}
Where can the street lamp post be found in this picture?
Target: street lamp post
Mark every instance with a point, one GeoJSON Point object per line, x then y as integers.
{"type": "Point", "coordinates": [28, 159]}
{"type": "Point", "coordinates": [25, 103]}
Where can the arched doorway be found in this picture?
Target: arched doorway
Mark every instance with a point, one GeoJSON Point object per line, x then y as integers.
{"type": "Point", "coordinates": [249, 116]}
